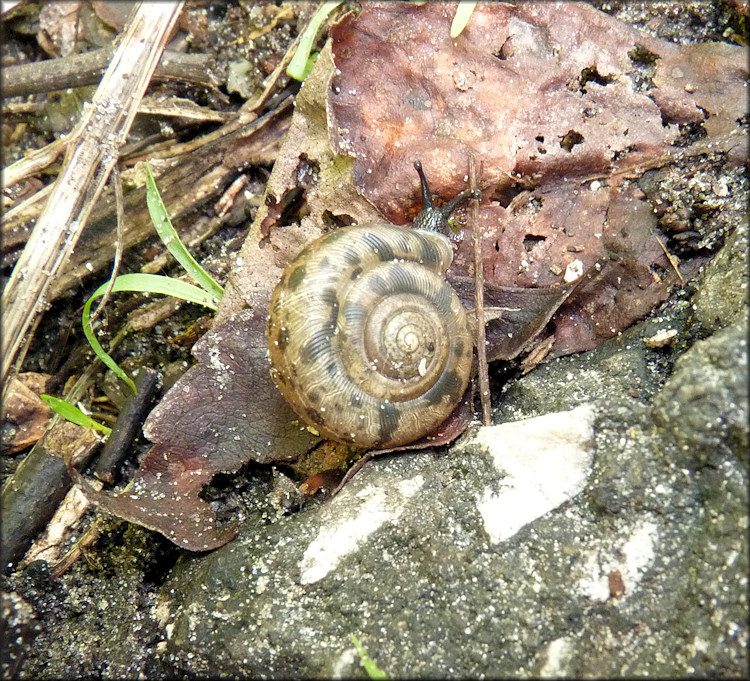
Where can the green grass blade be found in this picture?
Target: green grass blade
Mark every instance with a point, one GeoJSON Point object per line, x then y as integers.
{"type": "Point", "coordinates": [168, 235]}
{"type": "Point", "coordinates": [72, 413]}
{"type": "Point", "coordinates": [463, 13]}
{"type": "Point", "coordinates": [300, 65]}
{"type": "Point", "coordinates": [371, 669]}
{"type": "Point", "coordinates": [141, 283]}
{"type": "Point", "coordinates": [160, 284]}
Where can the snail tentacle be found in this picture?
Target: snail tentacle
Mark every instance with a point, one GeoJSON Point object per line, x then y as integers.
{"type": "Point", "coordinates": [435, 219]}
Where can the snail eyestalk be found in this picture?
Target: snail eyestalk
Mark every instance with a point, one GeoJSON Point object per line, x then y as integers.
{"type": "Point", "coordinates": [432, 218]}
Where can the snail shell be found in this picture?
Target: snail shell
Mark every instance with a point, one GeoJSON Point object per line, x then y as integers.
{"type": "Point", "coordinates": [367, 341]}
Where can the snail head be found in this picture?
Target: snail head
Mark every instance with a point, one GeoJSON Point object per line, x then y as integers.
{"type": "Point", "coordinates": [433, 218]}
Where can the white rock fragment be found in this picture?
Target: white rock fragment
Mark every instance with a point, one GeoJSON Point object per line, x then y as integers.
{"type": "Point", "coordinates": [555, 657]}
{"type": "Point", "coordinates": [573, 271]}
{"type": "Point", "coordinates": [544, 461]}
{"type": "Point", "coordinates": [336, 540]}
{"type": "Point", "coordinates": [661, 338]}
{"type": "Point", "coordinates": [632, 558]}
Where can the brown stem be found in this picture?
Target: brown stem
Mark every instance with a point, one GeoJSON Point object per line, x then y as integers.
{"type": "Point", "coordinates": [77, 70]}
{"type": "Point", "coordinates": [483, 368]}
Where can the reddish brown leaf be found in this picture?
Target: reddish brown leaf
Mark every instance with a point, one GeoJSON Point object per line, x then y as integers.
{"type": "Point", "coordinates": [545, 95]}
{"type": "Point", "coordinates": [514, 315]}
{"type": "Point", "coordinates": [222, 413]}
{"type": "Point", "coordinates": [164, 497]}
{"type": "Point", "coordinates": [699, 82]}
{"type": "Point", "coordinates": [25, 417]}
{"type": "Point", "coordinates": [229, 411]}
{"type": "Point", "coordinates": [534, 89]}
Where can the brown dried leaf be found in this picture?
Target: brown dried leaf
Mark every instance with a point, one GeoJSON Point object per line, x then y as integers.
{"type": "Point", "coordinates": [25, 415]}
{"type": "Point", "coordinates": [222, 413]}
{"type": "Point", "coordinates": [546, 95]}
{"type": "Point", "coordinates": [512, 88]}
{"type": "Point", "coordinates": [229, 410]}
{"type": "Point", "coordinates": [513, 315]}
{"type": "Point", "coordinates": [699, 82]}
{"type": "Point", "coordinates": [114, 14]}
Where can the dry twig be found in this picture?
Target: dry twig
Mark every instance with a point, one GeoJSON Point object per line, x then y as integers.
{"type": "Point", "coordinates": [78, 70]}
{"type": "Point", "coordinates": [484, 382]}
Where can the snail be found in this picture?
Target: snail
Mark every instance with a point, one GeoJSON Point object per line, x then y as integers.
{"type": "Point", "coordinates": [367, 341]}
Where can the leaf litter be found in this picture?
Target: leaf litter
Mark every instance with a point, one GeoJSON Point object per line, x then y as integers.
{"type": "Point", "coordinates": [567, 108]}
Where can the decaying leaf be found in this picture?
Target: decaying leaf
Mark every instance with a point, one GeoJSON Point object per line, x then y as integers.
{"type": "Point", "coordinates": [222, 413]}
{"type": "Point", "coordinates": [546, 96]}
{"type": "Point", "coordinates": [25, 415]}
{"type": "Point", "coordinates": [543, 91]}
{"type": "Point", "coordinates": [562, 104]}
{"type": "Point", "coordinates": [513, 315]}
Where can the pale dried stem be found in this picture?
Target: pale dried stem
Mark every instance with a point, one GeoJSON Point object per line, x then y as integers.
{"type": "Point", "coordinates": [37, 160]}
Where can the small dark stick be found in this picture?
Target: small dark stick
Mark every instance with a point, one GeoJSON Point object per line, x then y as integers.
{"type": "Point", "coordinates": [127, 425]}
{"type": "Point", "coordinates": [33, 493]}
{"type": "Point", "coordinates": [483, 368]}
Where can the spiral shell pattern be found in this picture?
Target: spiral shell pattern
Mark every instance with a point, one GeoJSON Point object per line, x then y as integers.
{"type": "Point", "coordinates": [367, 341]}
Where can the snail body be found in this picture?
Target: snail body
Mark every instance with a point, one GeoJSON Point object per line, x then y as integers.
{"type": "Point", "coordinates": [367, 341]}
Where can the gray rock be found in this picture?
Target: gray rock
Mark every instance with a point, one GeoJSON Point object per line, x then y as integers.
{"type": "Point", "coordinates": [577, 543]}
{"type": "Point", "coordinates": [722, 290]}
{"type": "Point", "coordinates": [705, 403]}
